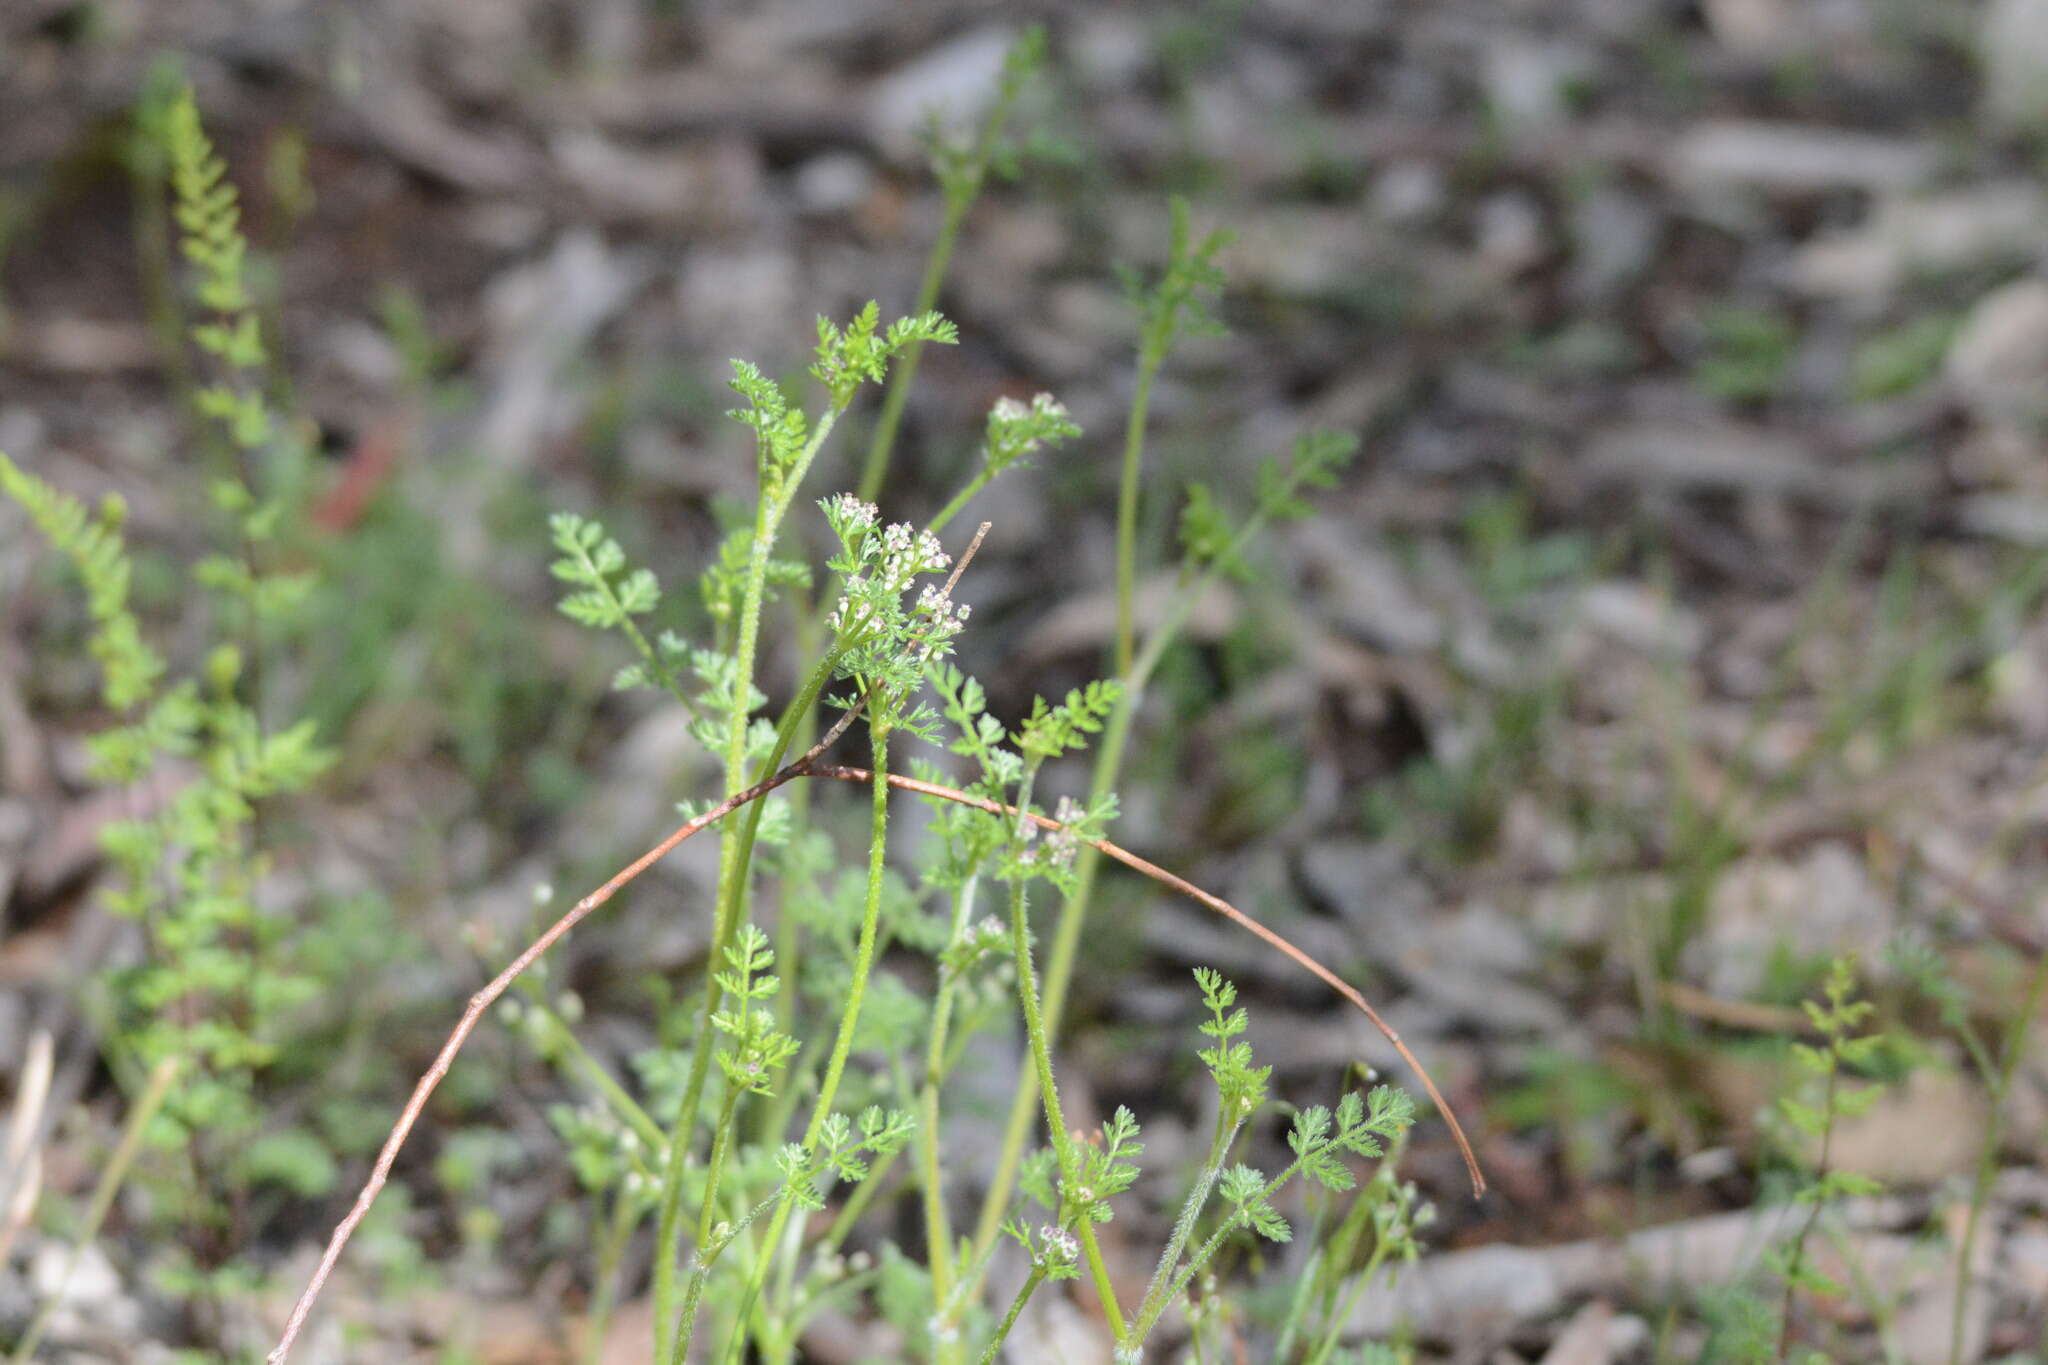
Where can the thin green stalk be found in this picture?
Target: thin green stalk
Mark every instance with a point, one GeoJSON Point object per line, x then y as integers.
{"type": "Point", "coordinates": [1031, 1283]}
{"type": "Point", "coordinates": [1048, 1089]}
{"type": "Point", "coordinates": [808, 626]}
{"type": "Point", "coordinates": [904, 371]}
{"type": "Point", "coordinates": [1066, 943]}
{"type": "Point", "coordinates": [1304, 1290]}
{"type": "Point", "coordinates": [1127, 507]}
{"type": "Point", "coordinates": [1334, 1330]}
{"type": "Point", "coordinates": [610, 1252]}
{"type": "Point", "coordinates": [937, 1227]}
{"type": "Point", "coordinates": [1167, 1285]}
{"type": "Point", "coordinates": [147, 1104]}
{"type": "Point", "coordinates": [864, 955]}
{"type": "Point", "coordinates": [1156, 1295]}
{"type": "Point", "coordinates": [962, 187]}
{"type": "Point", "coordinates": [1343, 1244]}
{"type": "Point", "coordinates": [1181, 1281]}
{"type": "Point", "coordinates": [736, 847]}
{"type": "Point", "coordinates": [1798, 1257]}
{"type": "Point", "coordinates": [849, 1019]}
{"type": "Point", "coordinates": [733, 858]}
{"type": "Point", "coordinates": [721, 1144]}
{"type": "Point", "coordinates": [967, 494]}
{"type": "Point", "coordinates": [700, 1274]}
{"type": "Point", "coordinates": [749, 825]}
{"type": "Point", "coordinates": [623, 1104]}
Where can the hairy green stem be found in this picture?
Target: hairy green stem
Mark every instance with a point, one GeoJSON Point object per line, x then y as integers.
{"type": "Point", "coordinates": [938, 1229]}
{"type": "Point", "coordinates": [1156, 1293]}
{"type": "Point", "coordinates": [734, 851]}
{"type": "Point", "coordinates": [1048, 1088]}
{"type": "Point", "coordinates": [849, 1019]}
{"type": "Point", "coordinates": [700, 1274]}
{"type": "Point", "coordinates": [1179, 1283]}
{"type": "Point", "coordinates": [1066, 943]}
{"type": "Point", "coordinates": [1030, 1287]}
{"type": "Point", "coordinates": [721, 1145]}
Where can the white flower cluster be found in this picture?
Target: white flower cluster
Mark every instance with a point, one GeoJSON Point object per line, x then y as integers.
{"type": "Point", "coordinates": [940, 619]}
{"type": "Point", "coordinates": [907, 552]}
{"type": "Point", "coordinates": [1017, 429]}
{"type": "Point", "coordinates": [1061, 843]}
{"type": "Point", "coordinates": [847, 511]}
{"type": "Point", "coordinates": [887, 564]}
{"type": "Point", "coordinates": [1056, 1246]}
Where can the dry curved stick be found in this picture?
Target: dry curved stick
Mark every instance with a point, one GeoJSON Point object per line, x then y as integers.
{"type": "Point", "coordinates": [1213, 902]}
{"type": "Point", "coordinates": [806, 766]}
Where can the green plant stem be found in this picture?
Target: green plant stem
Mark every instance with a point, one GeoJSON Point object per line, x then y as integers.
{"type": "Point", "coordinates": [904, 371]}
{"type": "Point", "coordinates": [700, 1274]}
{"type": "Point", "coordinates": [937, 1227]}
{"type": "Point", "coordinates": [967, 494]}
{"type": "Point", "coordinates": [735, 849]}
{"type": "Point", "coordinates": [808, 626]}
{"type": "Point", "coordinates": [1798, 1258]}
{"type": "Point", "coordinates": [1030, 1287]}
{"type": "Point", "coordinates": [1334, 1329]}
{"type": "Point", "coordinates": [1176, 1284]}
{"type": "Point", "coordinates": [1304, 1290]}
{"type": "Point", "coordinates": [1156, 1293]}
{"type": "Point", "coordinates": [1149, 361]}
{"type": "Point", "coordinates": [1048, 1089]}
{"type": "Point", "coordinates": [1987, 1153]}
{"type": "Point", "coordinates": [1066, 943]}
{"type": "Point", "coordinates": [613, 1249]}
{"type": "Point", "coordinates": [849, 1019]}
{"type": "Point", "coordinates": [154, 1093]}
{"type": "Point", "coordinates": [721, 1144]}
{"type": "Point", "coordinates": [961, 192]}
{"type": "Point", "coordinates": [870, 925]}
{"type": "Point", "coordinates": [623, 1104]}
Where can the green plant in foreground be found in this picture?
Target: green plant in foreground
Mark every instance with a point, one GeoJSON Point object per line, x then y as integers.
{"type": "Point", "coordinates": [1839, 1020]}
{"type": "Point", "coordinates": [747, 1271]}
{"type": "Point", "coordinates": [878, 977]}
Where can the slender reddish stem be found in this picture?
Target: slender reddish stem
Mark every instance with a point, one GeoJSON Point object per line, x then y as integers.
{"type": "Point", "coordinates": [1213, 902]}
{"type": "Point", "coordinates": [806, 766]}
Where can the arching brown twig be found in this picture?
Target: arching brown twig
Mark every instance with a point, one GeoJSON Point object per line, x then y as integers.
{"type": "Point", "coordinates": [806, 766]}
{"type": "Point", "coordinates": [1213, 902]}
